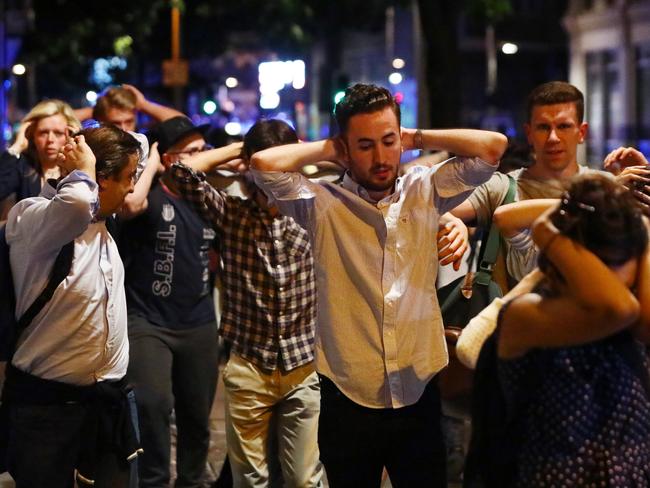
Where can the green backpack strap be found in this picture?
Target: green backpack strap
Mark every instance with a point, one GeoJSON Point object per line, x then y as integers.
{"type": "Point", "coordinates": [484, 274]}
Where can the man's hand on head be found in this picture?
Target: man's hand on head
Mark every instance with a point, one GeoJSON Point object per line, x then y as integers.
{"type": "Point", "coordinates": [76, 154]}
{"type": "Point", "coordinates": [340, 153]}
{"type": "Point", "coordinates": [624, 157]}
{"type": "Point", "coordinates": [140, 99]}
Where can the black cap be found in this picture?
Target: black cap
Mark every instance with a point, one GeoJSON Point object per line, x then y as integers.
{"type": "Point", "coordinates": [170, 131]}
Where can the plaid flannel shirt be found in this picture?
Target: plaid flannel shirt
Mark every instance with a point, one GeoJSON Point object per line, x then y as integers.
{"type": "Point", "coordinates": [269, 287]}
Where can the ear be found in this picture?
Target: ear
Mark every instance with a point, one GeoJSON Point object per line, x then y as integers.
{"type": "Point", "coordinates": [584, 130]}
{"type": "Point", "coordinates": [100, 184]}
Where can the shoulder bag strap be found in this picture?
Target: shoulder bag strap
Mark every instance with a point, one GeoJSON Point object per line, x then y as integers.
{"type": "Point", "coordinates": [60, 270]}
{"type": "Point", "coordinates": [484, 274]}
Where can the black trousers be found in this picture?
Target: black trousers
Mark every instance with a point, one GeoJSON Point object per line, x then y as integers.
{"type": "Point", "coordinates": [173, 369]}
{"type": "Point", "coordinates": [356, 442]}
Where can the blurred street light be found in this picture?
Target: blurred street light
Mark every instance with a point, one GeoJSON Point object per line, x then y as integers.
{"type": "Point", "coordinates": [509, 48]}
{"type": "Point", "coordinates": [233, 128]}
{"type": "Point", "coordinates": [398, 63]}
{"type": "Point", "coordinates": [91, 96]}
{"type": "Point", "coordinates": [232, 82]}
{"type": "Point", "coordinates": [395, 78]}
{"type": "Point", "coordinates": [209, 107]}
{"type": "Point", "coordinates": [18, 69]}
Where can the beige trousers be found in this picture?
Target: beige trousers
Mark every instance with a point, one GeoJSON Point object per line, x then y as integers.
{"type": "Point", "coordinates": [271, 420]}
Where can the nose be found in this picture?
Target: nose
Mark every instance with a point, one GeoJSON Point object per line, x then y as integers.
{"type": "Point", "coordinates": [51, 137]}
{"type": "Point", "coordinates": [379, 154]}
{"type": "Point", "coordinates": [552, 137]}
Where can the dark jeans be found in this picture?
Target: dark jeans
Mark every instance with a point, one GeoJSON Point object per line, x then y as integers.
{"type": "Point", "coordinates": [44, 442]}
{"type": "Point", "coordinates": [357, 442]}
{"type": "Point", "coordinates": [173, 369]}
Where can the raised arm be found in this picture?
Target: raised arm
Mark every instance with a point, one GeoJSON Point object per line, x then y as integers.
{"type": "Point", "coordinates": [515, 217]}
{"type": "Point", "coordinates": [226, 157]}
{"type": "Point", "coordinates": [155, 110]}
{"type": "Point", "coordinates": [642, 327]}
{"type": "Point", "coordinates": [487, 145]}
{"type": "Point", "coordinates": [292, 157]}
{"type": "Point", "coordinates": [68, 213]}
{"type": "Point", "coordinates": [136, 203]}
{"type": "Point", "coordinates": [593, 304]}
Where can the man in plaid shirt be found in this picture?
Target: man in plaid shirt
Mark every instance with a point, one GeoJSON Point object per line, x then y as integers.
{"type": "Point", "coordinates": [272, 390]}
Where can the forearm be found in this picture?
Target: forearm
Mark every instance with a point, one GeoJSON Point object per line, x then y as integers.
{"type": "Point", "coordinates": [292, 157]}
{"type": "Point", "coordinates": [515, 217]}
{"type": "Point", "coordinates": [159, 112]}
{"type": "Point", "coordinates": [84, 113]}
{"type": "Point", "coordinates": [487, 145]}
{"type": "Point", "coordinates": [135, 203]}
{"type": "Point", "coordinates": [642, 328]}
{"type": "Point", "coordinates": [588, 279]}
{"type": "Point", "coordinates": [207, 161]}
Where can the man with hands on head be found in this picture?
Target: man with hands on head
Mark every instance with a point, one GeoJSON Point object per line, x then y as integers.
{"type": "Point", "coordinates": [630, 167]}
{"type": "Point", "coordinates": [64, 387]}
{"type": "Point", "coordinates": [119, 106]}
{"type": "Point", "coordinates": [380, 340]}
{"type": "Point", "coordinates": [269, 316]}
{"type": "Point", "coordinates": [172, 326]}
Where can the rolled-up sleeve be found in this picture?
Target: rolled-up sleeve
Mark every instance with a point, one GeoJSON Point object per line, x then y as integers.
{"type": "Point", "coordinates": [283, 186]}
{"type": "Point", "coordinates": [455, 179]}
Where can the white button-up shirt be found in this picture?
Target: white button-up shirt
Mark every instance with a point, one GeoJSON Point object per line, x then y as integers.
{"type": "Point", "coordinates": [80, 336]}
{"type": "Point", "coordinates": [379, 337]}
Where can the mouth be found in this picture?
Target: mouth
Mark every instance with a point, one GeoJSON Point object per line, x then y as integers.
{"type": "Point", "coordinates": [382, 172]}
{"type": "Point", "coordinates": [554, 152]}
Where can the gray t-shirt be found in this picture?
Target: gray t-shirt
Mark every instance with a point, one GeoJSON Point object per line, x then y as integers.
{"type": "Point", "coordinates": [520, 258]}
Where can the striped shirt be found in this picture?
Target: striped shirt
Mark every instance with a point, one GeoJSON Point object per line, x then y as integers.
{"type": "Point", "coordinates": [380, 337]}
{"type": "Point", "coordinates": [269, 288]}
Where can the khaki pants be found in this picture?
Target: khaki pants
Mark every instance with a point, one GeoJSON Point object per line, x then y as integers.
{"type": "Point", "coordinates": [271, 415]}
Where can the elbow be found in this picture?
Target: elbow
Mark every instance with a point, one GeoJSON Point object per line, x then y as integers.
{"type": "Point", "coordinates": [131, 209]}
{"type": "Point", "coordinates": [623, 312]}
{"type": "Point", "coordinates": [259, 163]}
{"type": "Point", "coordinates": [499, 218]}
{"type": "Point", "coordinates": [496, 148]}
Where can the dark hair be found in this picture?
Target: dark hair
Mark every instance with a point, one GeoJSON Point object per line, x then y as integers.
{"type": "Point", "coordinates": [364, 99]}
{"type": "Point", "coordinates": [114, 97]}
{"type": "Point", "coordinates": [112, 147]}
{"type": "Point", "coordinates": [603, 216]}
{"type": "Point", "coordinates": [555, 92]}
{"type": "Point", "coordinates": [268, 133]}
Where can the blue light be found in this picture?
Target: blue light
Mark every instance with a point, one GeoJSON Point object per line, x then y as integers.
{"type": "Point", "coordinates": [7, 84]}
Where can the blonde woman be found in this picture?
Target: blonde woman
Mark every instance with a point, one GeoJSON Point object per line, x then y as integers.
{"type": "Point", "coordinates": [31, 159]}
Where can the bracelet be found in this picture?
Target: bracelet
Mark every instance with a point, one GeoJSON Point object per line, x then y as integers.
{"type": "Point", "coordinates": [549, 243]}
{"type": "Point", "coordinates": [417, 139]}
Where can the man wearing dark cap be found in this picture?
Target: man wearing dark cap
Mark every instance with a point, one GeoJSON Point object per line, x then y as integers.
{"type": "Point", "coordinates": [172, 329]}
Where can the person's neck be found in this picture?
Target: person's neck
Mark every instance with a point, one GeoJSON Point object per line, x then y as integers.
{"type": "Point", "coordinates": [263, 202]}
{"type": "Point", "coordinates": [540, 172]}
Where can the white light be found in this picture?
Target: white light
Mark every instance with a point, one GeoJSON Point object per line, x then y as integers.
{"type": "Point", "coordinates": [18, 69]}
{"type": "Point", "coordinates": [91, 96]}
{"type": "Point", "coordinates": [298, 68]}
{"type": "Point", "coordinates": [310, 169]}
{"type": "Point", "coordinates": [269, 100]}
{"type": "Point", "coordinates": [509, 48]}
{"type": "Point", "coordinates": [209, 107]}
{"type": "Point", "coordinates": [233, 128]}
{"type": "Point", "coordinates": [395, 78]}
{"type": "Point", "coordinates": [231, 82]}
{"type": "Point", "coordinates": [398, 63]}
